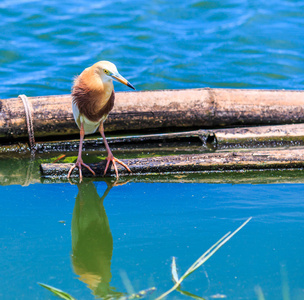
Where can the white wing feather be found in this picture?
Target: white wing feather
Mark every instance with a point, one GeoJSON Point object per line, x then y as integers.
{"type": "Point", "coordinates": [89, 126]}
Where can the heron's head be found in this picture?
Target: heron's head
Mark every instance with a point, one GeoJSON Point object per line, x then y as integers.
{"type": "Point", "coordinates": [108, 70]}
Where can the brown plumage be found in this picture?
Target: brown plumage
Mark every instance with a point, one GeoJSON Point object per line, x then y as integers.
{"type": "Point", "coordinates": [92, 99]}
{"type": "Point", "coordinates": [90, 109]}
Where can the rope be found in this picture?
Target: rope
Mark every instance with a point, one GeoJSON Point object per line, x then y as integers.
{"type": "Point", "coordinates": [29, 122]}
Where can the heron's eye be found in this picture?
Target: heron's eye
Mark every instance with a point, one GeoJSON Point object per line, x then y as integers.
{"type": "Point", "coordinates": [106, 71]}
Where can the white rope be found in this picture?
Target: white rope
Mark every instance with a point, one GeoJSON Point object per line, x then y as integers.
{"type": "Point", "coordinates": [29, 122]}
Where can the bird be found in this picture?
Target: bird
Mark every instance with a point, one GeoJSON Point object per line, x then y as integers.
{"type": "Point", "coordinates": [92, 100]}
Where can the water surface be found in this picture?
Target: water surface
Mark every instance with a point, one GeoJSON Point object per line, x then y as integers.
{"type": "Point", "coordinates": [82, 238]}
{"type": "Point", "coordinates": [155, 44]}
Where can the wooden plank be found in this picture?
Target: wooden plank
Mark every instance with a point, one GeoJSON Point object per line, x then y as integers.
{"type": "Point", "coordinates": [158, 110]}
{"type": "Point", "coordinates": [218, 161]}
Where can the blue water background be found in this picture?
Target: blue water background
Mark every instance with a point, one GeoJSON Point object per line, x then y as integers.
{"type": "Point", "coordinates": [155, 44]}
{"type": "Point", "coordinates": [150, 223]}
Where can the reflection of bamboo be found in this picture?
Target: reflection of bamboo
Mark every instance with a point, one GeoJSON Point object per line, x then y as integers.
{"type": "Point", "coordinates": [52, 115]}
{"type": "Point", "coordinates": [92, 242]}
{"type": "Point", "coordinates": [13, 171]}
{"type": "Point", "coordinates": [18, 171]}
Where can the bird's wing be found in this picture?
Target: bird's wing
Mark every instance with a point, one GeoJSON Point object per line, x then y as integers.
{"type": "Point", "coordinates": [89, 126]}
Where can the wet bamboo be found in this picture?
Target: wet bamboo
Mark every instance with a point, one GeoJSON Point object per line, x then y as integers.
{"type": "Point", "coordinates": [258, 136]}
{"type": "Point", "coordinates": [158, 110]}
{"type": "Point", "coordinates": [24, 176]}
{"type": "Point", "coordinates": [218, 161]}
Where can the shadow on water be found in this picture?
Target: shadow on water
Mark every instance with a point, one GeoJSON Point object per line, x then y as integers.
{"type": "Point", "coordinates": [92, 241]}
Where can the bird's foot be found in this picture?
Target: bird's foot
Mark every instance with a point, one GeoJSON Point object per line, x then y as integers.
{"type": "Point", "coordinates": [114, 160]}
{"type": "Point", "coordinates": [78, 164]}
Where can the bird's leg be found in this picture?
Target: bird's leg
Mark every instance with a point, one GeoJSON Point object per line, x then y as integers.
{"type": "Point", "coordinates": [111, 157]}
{"type": "Point", "coordinates": [79, 161]}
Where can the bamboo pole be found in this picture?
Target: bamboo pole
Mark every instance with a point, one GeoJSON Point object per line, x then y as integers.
{"type": "Point", "coordinates": [158, 110]}
{"type": "Point", "coordinates": [246, 137]}
{"type": "Point", "coordinates": [260, 136]}
{"type": "Point", "coordinates": [219, 161]}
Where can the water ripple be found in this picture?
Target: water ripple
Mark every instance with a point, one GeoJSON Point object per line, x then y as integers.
{"type": "Point", "coordinates": [156, 44]}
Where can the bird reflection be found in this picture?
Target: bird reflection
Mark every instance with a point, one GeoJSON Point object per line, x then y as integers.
{"type": "Point", "coordinates": [92, 241]}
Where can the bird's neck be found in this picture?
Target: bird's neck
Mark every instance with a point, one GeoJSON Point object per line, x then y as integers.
{"type": "Point", "coordinates": [102, 87]}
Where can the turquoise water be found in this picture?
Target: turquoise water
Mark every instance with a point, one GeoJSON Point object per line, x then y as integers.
{"type": "Point", "coordinates": [155, 44]}
{"type": "Point", "coordinates": [48, 236]}
{"type": "Point", "coordinates": [83, 241]}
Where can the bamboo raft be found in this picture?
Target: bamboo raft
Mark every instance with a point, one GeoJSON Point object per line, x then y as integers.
{"type": "Point", "coordinates": [208, 112]}
{"type": "Point", "coordinates": [266, 159]}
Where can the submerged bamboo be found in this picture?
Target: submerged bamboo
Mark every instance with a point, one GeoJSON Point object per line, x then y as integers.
{"type": "Point", "coordinates": [26, 174]}
{"type": "Point", "coordinates": [218, 161]}
{"type": "Point", "coordinates": [158, 110]}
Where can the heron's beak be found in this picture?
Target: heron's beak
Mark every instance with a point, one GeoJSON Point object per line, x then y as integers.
{"type": "Point", "coordinates": [123, 80]}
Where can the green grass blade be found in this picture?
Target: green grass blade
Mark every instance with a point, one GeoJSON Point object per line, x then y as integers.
{"type": "Point", "coordinates": [197, 263]}
{"type": "Point", "coordinates": [190, 294]}
{"type": "Point", "coordinates": [259, 292]}
{"type": "Point", "coordinates": [285, 285]}
{"type": "Point", "coordinates": [202, 259]}
{"type": "Point", "coordinates": [126, 282]}
{"type": "Point", "coordinates": [138, 295]}
{"type": "Point", "coordinates": [213, 249]}
{"type": "Point", "coordinates": [59, 293]}
{"type": "Point", "coordinates": [174, 270]}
